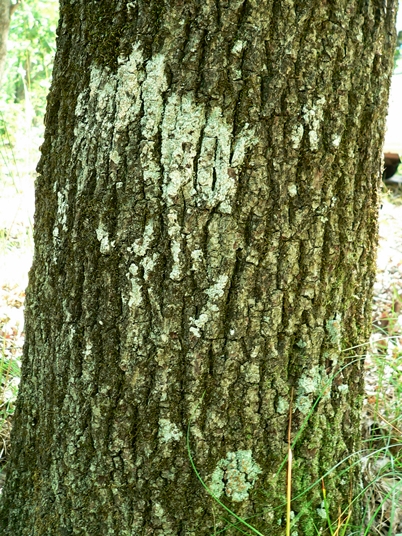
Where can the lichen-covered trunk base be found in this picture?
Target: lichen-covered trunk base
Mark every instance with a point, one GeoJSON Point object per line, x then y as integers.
{"type": "Point", "coordinates": [205, 233]}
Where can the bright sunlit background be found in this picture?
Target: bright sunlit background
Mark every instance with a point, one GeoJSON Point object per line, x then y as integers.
{"type": "Point", "coordinates": [393, 136]}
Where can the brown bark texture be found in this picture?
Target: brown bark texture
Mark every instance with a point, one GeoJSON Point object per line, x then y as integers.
{"type": "Point", "coordinates": [205, 236]}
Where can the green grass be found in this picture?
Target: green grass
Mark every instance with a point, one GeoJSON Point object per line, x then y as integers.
{"type": "Point", "coordinates": [381, 460]}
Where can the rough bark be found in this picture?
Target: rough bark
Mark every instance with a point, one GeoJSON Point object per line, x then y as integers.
{"type": "Point", "coordinates": [6, 10]}
{"type": "Point", "coordinates": [205, 234]}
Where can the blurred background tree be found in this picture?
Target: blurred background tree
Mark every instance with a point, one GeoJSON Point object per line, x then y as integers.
{"type": "Point", "coordinates": [398, 54]}
{"type": "Point", "coordinates": [27, 76]}
{"type": "Point", "coordinates": [7, 8]}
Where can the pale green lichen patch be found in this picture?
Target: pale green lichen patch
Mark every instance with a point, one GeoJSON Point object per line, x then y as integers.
{"type": "Point", "coordinates": [215, 159]}
{"type": "Point", "coordinates": [303, 404]}
{"type": "Point", "coordinates": [334, 329]}
{"type": "Point", "coordinates": [321, 511]}
{"type": "Point", "coordinates": [215, 292]}
{"type": "Point", "coordinates": [217, 289]}
{"type": "Point", "coordinates": [297, 136]}
{"type": "Point", "coordinates": [135, 297]}
{"type": "Point", "coordinates": [235, 475]}
{"type": "Point", "coordinates": [313, 117]}
{"type": "Point", "coordinates": [282, 405]}
{"type": "Point", "coordinates": [251, 372]}
{"type": "Point", "coordinates": [141, 245]}
{"type": "Point", "coordinates": [182, 124]}
{"type": "Point", "coordinates": [312, 383]}
{"type": "Point", "coordinates": [103, 237]}
{"type": "Point", "coordinates": [199, 323]}
{"type": "Point", "coordinates": [168, 431]}
{"type": "Point", "coordinates": [152, 89]}
{"type": "Point", "coordinates": [62, 208]}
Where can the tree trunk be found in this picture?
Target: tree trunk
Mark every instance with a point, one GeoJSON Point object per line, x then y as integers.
{"type": "Point", "coordinates": [6, 10]}
{"type": "Point", "coordinates": [205, 236]}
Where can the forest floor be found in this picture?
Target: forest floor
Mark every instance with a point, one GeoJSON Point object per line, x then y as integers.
{"type": "Point", "coordinates": [383, 378]}
{"type": "Point", "coordinates": [383, 359]}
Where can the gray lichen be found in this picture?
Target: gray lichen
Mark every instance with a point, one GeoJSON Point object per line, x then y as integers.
{"type": "Point", "coordinates": [168, 431]}
{"type": "Point", "coordinates": [282, 405]}
{"type": "Point", "coordinates": [235, 475]}
{"type": "Point", "coordinates": [334, 329]}
{"type": "Point", "coordinates": [312, 383]}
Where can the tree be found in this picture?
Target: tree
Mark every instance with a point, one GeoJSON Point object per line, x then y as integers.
{"type": "Point", "coordinates": [205, 234]}
{"type": "Point", "coordinates": [31, 51]}
{"type": "Point", "coordinates": [7, 8]}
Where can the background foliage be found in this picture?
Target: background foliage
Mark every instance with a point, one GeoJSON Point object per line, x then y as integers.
{"type": "Point", "coordinates": [31, 48]}
{"type": "Point", "coordinates": [398, 54]}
